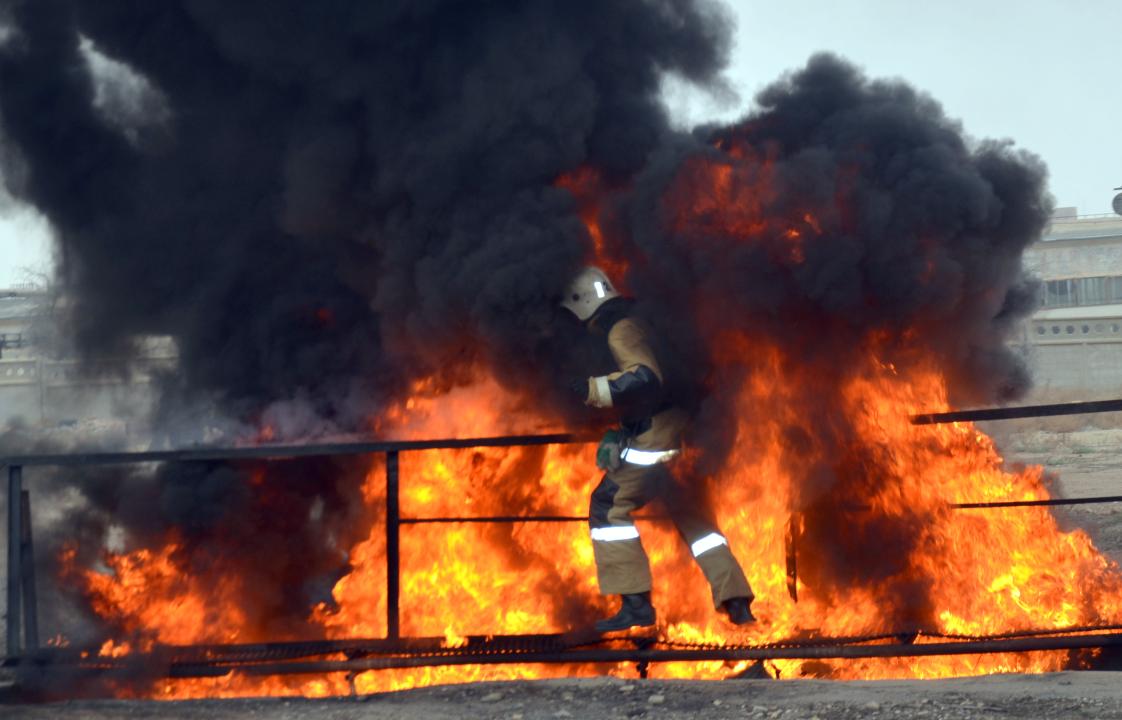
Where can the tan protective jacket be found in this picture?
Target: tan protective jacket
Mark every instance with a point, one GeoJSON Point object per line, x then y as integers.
{"type": "Point", "coordinates": [638, 381]}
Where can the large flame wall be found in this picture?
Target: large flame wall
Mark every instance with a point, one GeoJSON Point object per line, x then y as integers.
{"type": "Point", "coordinates": [894, 559]}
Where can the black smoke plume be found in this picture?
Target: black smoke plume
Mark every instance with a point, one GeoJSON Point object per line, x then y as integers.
{"type": "Point", "coordinates": [850, 225]}
{"type": "Point", "coordinates": [328, 204]}
{"type": "Point", "coordinates": [321, 205]}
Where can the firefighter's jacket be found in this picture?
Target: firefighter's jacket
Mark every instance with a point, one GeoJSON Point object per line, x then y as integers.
{"type": "Point", "coordinates": [636, 391]}
{"type": "Point", "coordinates": [653, 431]}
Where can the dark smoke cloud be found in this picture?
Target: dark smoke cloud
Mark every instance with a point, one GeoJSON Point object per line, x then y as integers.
{"type": "Point", "coordinates": [322, 206]}
{"type": "Point", "coordinates": [332, 203]}
{"type": "Point", "coordinates": [915, 244]}
{"type": "Point", "coordinates": [912, 257]}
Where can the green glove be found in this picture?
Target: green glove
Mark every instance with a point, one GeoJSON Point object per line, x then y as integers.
{"type": "Point", "coordinates": [607, 455]}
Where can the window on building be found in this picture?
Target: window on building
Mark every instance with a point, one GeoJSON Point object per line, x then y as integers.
{"type": "Point", "coordinates": [1057, 293]}
{"type": "Point", "coordinates": [1073, 292]}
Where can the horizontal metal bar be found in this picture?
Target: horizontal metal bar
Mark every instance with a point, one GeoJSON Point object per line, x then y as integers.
{"type": "Point", "coordinates": [496, 519]}
{"type": "Point", "coordinates": [1024, 411]}
{"type": "Point", "coordinates": [1039, 503]}
{"type": "Point", "coordinates": [664, 518]}
{"type": "Point", "coordinates": [518, 519]}
{"type": "Point", "coordinates": [221, 657]}
{"type": "Point", "coordinates": [889, 650]}
{"type": "Point", "coordinates": [278, 452]}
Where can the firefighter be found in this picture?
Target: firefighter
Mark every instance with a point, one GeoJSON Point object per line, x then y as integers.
{"type": "Point", "coordinates": [637, 458]}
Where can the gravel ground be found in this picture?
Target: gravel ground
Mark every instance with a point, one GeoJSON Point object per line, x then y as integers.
{"type": "Point", "coordinates": [1088, 464]}
{"type": "Point", "coordinates": [1056, 695]}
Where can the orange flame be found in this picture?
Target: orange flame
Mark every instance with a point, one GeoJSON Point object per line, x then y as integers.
{"type": "Point", "coordinates": [967, 571]}
{"type": "Point", "coordinates": [986, 571]}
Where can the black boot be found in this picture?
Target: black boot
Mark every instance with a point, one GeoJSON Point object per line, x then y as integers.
{"type": "Point", "coordinates": [739, 610]}
{"type": "Point", "coordinates": [635, 611]}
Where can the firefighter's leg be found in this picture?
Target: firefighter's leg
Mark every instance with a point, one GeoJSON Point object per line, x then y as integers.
{"type": "Point", "coordinates": [622, 567]}
{"type": "Point", "coordinates": [709, 547]}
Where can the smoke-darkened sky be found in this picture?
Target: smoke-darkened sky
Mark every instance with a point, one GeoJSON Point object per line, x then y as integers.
{"type": "Point", "coordinates": [1014, 70]}
{"type": "Point", "coordinates": [325, 207]}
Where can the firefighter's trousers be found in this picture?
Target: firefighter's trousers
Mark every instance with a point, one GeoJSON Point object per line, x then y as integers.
{"type": "Point", "coordinates": [621, 563]}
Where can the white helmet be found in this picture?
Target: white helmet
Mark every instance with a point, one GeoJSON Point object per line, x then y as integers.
{"type": "Point", "coordinates": [587, 292]}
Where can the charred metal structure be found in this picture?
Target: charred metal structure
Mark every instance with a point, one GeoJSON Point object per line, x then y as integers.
{"type": "Point", "coordinates": [38, 667]}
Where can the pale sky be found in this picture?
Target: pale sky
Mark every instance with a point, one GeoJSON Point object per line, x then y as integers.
{"type": "Point", "coordinates": [1043, 73]}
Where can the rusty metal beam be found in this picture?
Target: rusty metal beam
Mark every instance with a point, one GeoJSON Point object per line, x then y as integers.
{"type": "Point", "coordinates": [393, 548]}
{"type": "Point", "coordinates": [15, 557]}
{"type": "Point", "coordinates": [891, 650]}
{"type": "Point", "coordinates": [40, 667]}
{"type": "Point", "coordinates": [1024, 411]}
{"type": "Point", "coordinates": [281, 452]}
{"type": "Point", "coordinates": [1039, 503]}
{"type": "Point", "coordinates": [27, 576]}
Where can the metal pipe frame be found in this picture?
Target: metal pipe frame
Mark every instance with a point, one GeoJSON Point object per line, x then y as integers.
{"type": "Point", "coordinates": [599, 655]}
{"type": "Point", "coordinates": [19, 541]}
{"type": "Point", "coordinates": [27, 576]}
{"type": "Point", "coordinates": [15, 552]}
{"type": "Point", "coordinates": [20, 575]}
{"type": "Point", "coordinates": [282, 452]}
{"type": "Point", "coordinates": [1024, 411]}
{"type": "Point", "coordinates": [426, 652]}
{"type": "Point", "coordinates": [393, 548]}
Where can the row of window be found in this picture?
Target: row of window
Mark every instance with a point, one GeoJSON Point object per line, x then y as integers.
{"type": "Point", "coordinates": [1081, 291]}
{"type": "Point", "coordinates": [1083, 329]}
{"type": "Point", "coordinates": [18, 371]}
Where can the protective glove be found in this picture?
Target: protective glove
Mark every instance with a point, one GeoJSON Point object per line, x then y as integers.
{"type": "Point", "coordinates": [579, 388]}
{"type": "Point", "coordinates": [608, 453]}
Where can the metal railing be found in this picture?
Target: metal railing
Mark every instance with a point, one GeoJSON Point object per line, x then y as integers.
{"type": "Point", "coordinates": [21, 592]}
{"type": "Point", "coordinates": [21, 581]}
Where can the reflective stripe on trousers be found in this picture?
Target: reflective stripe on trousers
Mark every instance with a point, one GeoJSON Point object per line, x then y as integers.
{"type": "Point", "coordinates": [614, 533]}
{"type": "Point", "coordinates": [707, 543]}
{"type": "Point", "coordinates": [646, 457]}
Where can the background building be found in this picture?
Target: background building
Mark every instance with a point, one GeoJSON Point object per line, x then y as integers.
{"type": "Point", "coordinates": [1074, 340]}
{"type": "Point", "coordinates": [41, 384]}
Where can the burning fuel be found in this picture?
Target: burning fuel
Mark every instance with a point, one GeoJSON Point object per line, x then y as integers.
{"type": "Point", "coordinates": [361, 221]}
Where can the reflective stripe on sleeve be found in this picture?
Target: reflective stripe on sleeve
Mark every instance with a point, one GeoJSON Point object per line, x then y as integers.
{"type": "Point", "coordinates": [613, 533]}
{"type": "Point", "coordinates": [707, 543]}
{"type": "Point", "coordinates": [646, 457]}
{"type": "Point", "coordinates": [603, 392]}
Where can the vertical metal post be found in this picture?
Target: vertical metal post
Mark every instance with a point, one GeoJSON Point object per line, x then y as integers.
{"type": "Point", "coordinates": [39, 374]}
{"type": "Point", "coordinates": [794, 527]}
{"type": "Point", "coordinates": [393, 557]}
{"type": "Point", "coordinates": [15, 482]}
{"type": "Point", "coordinates": [30, 593]}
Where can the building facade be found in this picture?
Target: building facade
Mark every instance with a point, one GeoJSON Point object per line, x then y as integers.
{"type": "Point", "coordinates": [44, 388]}
{"type": "Point", "coordinates": [1073, 342]}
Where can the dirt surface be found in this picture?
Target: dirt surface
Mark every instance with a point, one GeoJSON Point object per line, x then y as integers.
{"type": "Point", "coordinates": [1056, 695]}
{"type": "Point", "coordinates": [1084, 463]}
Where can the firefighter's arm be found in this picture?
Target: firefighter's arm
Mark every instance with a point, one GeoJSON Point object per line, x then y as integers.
{"type": "Point", "coordinates": [639, 377]}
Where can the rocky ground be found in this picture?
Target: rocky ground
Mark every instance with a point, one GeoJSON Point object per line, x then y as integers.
{"type": "Point", "coordinates": [1086, 461]}
{"type": "Point", "coordinates": [1058, 695]}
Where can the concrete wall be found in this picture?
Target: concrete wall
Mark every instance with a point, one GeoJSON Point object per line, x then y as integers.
{"type": "Point", "coordinates": [1059, 259]}
{"type": "Point", "coordinates": [1093, 369]}
{"type": "Point", "coordinates": [48, 392]}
